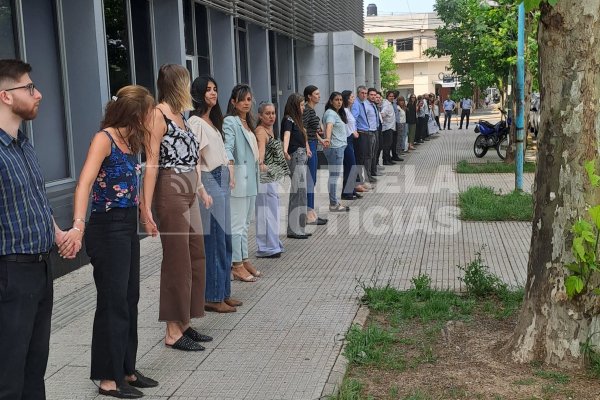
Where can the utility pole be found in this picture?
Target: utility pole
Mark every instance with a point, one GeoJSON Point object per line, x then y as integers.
{"type": "Point", "coordinates": [520, 99]}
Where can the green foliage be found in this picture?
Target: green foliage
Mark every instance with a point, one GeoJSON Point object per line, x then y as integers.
{"type": "Point", "coordinates": [585, 244]}
{"type": "Point", "coordinates": [373, 346]}
{"type": "Point", "coordinates": [531, 5]}
{"type": "Point", "coordinates": [464, 167]}
{"type": "Point", "coordinates": [351, 389]}
{"type": "Point", "coordinates": [555, 377]}
{"type": "Point", "coordinates": [483, 204]}
{"type": "Point", "coordinates": [422, 284]}
{"type": "Point", "coordinates": [387, 66]}
{"type": "Point", "coordinates": [478, 280]}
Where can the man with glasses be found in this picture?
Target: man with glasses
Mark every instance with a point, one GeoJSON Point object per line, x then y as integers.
{"type": "Point", "coordinates": [27, 232]}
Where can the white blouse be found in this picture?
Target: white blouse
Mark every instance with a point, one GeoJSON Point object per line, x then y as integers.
{"type": "Point", "coordinates": [212, 149]}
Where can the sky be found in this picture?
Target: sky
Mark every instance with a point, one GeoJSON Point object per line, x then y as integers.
{"type": "Point", "coordinates": [401, 6]}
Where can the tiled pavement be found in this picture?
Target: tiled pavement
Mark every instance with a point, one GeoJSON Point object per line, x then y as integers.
{"type": "Point", "coordinates": [283, 342]}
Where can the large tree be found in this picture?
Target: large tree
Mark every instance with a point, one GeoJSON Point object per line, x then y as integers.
{"type": "Point", "coordinates": [553, 324]}
{"type": "Point", "coordinates": [387, 66]}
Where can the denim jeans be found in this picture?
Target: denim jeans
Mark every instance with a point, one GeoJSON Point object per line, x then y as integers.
{"type": "Point", "coordinates": [313, 164]}
{"type": "Point", "coordinates": [297, 201]}
{"type": "Point", "coordinates": [335, 161]}
{"type": "Point", "coordinates": [351, 171]}
{"type": "Point", "coordinates": [216, 226]}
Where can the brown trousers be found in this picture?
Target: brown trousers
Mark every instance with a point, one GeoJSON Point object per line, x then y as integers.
{"type": "Point", "coordinates": [182, 273]}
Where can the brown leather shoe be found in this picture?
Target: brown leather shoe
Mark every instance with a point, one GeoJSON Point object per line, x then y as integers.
{"type": "Point", "coordinates": [233, 302]}
{"type": "Point", "coordinates": [221, 307]}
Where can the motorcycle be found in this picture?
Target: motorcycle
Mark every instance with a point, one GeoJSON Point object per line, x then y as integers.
{"type": "Point", "coordinates": [492, 135]}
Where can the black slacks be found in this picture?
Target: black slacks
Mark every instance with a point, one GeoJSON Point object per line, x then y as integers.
{"type": "Point", "coordinates": [26, 296]}
{"type": "Point", "coordinates": [463, 114]}
{"type": "Point", "coordinates": [113, 244]}
{"type": "Point", "coordinates": [387, 138]}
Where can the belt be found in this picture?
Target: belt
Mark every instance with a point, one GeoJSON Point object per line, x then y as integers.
{"type": "Point", "coordinates": [26, 258]}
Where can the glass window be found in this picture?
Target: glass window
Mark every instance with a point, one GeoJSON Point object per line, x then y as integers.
{"type": "Point", "coordinates": [202, 40]}
{"type": "Point", "coordinates": [187, 27]}
{"type": "Point", "coordinates": [117, 44]}
{"type": "Point", "coordinates": [404, 44]}
{"type": "Point", "coordinates": [7, 30]}
{"type": "Point", "coordinates": [390, 42]}
{"type": "Point", "coordinates": [142, 44]}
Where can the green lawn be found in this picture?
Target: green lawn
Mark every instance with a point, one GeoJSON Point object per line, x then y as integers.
{"type": "Point", "coordinates": [483, 204]}
{"type": "Point", "coordinates": [464, 167]}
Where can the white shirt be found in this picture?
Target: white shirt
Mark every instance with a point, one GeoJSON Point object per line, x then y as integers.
{"type": "Point", "coordinates": [388, 116]}
{"type": "Point", "coordinates": [212, 149]}
{"type": "Point", "coordinates": [351, 125]}
{"type": "Point", "coordinates": [466, 104]}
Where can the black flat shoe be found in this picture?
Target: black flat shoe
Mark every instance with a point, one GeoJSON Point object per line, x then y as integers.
{"type": "Point", "coordinates": [124, 391]}
{"type": "Point", "coordinates": [196, 336]}
{"type": "Point", "coordinates": [186, 344]}
{"type": "Point", "coordinates": [318, 221]}
{"type": "Point", "coordinates": [294, 236]}
{"type": "Point", "coordinates": [275, 255]}
{"type": "Point", "coordinates": [349, 197]}
{"type": "Point", "coordinates": [142, 381]}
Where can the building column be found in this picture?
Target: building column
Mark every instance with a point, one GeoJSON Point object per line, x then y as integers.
{"type": "Point", "coordinates": [285, 68]}
{"type": "Point", "coordinates": [260, 71]}
{"type": "Point", "coordinates": [359, 67]}
{"type": "Point", "coordinates": [169, 28]}
{"type": "Point", "coordinates": [369, 74]}
{"type": "Point", "coordinates": [344, 74]}
{"type": "Point", "coordinates": [222, 48]}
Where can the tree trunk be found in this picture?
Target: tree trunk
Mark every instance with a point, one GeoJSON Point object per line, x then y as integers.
{"type": "Point", "coordinates": [551, 327]}
{"type": "Point", "coordinates": [511, 108]}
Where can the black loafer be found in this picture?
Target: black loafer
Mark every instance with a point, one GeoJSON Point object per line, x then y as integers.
{"type": "Point", "coordinates": [196, 336]}
{"type": "Point", "coordinates": [124, 391]}
{"type": "Point", "coordinates": [294, 236]}
{"type": "Point", "coordinates": [186, 344]}
{"type": "Point", "coordinates": [274, 255]}
{"type": "Point", "coordinates": [349, 197]}
{"type": "Point", "coordinates": [318, 221]}
{"type": "Point", "coordinates": [142, 381]}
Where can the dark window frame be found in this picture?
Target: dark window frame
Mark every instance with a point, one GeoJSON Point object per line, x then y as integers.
{"type": "Point", "coordinates": [405, 44]}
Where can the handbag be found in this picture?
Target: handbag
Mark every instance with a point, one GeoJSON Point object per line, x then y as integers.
{"type": "Point", "coordinates": [277, 166]}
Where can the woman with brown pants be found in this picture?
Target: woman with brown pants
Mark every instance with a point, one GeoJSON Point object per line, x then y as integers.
{"type": "Point", "coordinates": [172, 181]}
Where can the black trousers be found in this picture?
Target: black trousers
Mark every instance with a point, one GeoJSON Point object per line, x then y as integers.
{"type": "Point", "coordinates": [113, 244]}
{"type": "Point", "coordinates": [395, 141]}
{"type": "Point", "coordinates": [26, 296]}
{"type": "Point", "coordinates": [387, 138]}
{"type": "Point", "coordinates": [463, 114]}
{"type": "Point", "coordinates": [421, 129]}
{"type": "Point", "coordinates": [376, 152]}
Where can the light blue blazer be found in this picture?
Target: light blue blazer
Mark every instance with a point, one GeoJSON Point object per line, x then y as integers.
{"type": "Point", "coordinates": [239, 150]}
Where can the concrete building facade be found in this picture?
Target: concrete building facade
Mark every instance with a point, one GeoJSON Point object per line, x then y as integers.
{"type": "Point", "coordinates": [410, 35]}
{"type": "Point", "coordinates": [82, 52]}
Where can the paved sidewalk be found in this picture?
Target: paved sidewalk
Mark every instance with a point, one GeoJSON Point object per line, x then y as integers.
{"type": "Point", "coordinates": [283, 342]}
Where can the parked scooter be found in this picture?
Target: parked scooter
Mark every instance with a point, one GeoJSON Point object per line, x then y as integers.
{"type": "Point", "coordinates": [492, 135]}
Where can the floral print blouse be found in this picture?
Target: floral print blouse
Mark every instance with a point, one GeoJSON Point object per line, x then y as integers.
{"type": "Point", "coordinates": [118, 181]}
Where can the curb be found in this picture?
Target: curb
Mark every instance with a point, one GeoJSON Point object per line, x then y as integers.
{"type": "Point", "coordinates": [336, 376]}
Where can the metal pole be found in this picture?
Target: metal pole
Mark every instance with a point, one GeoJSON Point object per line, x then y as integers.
{"type": "Point", "coordinates": [520, 98]}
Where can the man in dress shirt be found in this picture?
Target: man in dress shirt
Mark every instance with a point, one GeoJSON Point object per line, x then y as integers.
{"type": "Point", "coordinates": [374, 118]}
{"type": "Point", "coordinates": [27, 232]}
{"type": "Point", "coordinates": [465, 105]}
{"type": "Point", "coordinates": [361, 109]}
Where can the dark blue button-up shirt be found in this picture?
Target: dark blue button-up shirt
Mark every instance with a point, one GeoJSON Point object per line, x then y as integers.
{"type": "Point", "coordinates": [26, 225]}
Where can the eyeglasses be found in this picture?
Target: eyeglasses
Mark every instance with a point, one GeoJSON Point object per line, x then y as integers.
{"type": "Point", "coordinates": [29, 86]}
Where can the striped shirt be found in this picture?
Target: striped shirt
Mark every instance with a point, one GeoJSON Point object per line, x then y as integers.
{"type": "Point", "coordinates": [26, 225]}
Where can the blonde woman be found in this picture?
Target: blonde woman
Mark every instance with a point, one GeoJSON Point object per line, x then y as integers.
{"type": "Point", "coordinates": [171, 183]}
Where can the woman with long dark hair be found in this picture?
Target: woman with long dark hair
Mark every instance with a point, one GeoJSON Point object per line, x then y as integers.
{"type": "Point", "coordinates": [172, 182]}
{"type": "Point", "coordinates": [411, 120]}
{"type": "Point", "coordinates": [111, 171]}
{"type": "Point", "coordinates": [297, 151]}
{"type": "Point", "coordinates": [206, 121]}
{"type": "Point", "coordinates": [335, 120]}
{"type": "Point", "coordinates": [314, 132]}
{"type": "Point", "coordinates": [242, 152]}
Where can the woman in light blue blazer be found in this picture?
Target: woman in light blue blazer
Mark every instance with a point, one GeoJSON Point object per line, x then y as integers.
{"type": "Point", "coordinates": [242, 151]}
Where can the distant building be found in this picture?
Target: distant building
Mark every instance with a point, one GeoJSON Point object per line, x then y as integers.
{"type": "Point", "coordinates": [410, 35]}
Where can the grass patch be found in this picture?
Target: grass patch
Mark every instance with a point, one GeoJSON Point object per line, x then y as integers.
{"type": "Point", "coordinates": [555, 377]}
{"type": "Point", "coordinates": [464, 167]}
{"type": "Point", "coordinates": [483, 204]}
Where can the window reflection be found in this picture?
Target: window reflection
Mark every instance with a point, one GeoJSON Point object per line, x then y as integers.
{"type": "Point", "coordinates": [117, 44]}
{"type": "Point", "coordinates": [7, 30]}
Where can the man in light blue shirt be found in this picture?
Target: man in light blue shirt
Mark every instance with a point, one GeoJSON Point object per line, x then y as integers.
{"type": "Point", "coordinates": [449, 106]}
{"type": "Point", "coordinates": [465, 105]}
{"type": "Point", "coordinates": [363, 148]}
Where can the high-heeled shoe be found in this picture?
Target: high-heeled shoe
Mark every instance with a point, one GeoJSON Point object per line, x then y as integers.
{"type": "Point", "coordinates": [250, 268]}
{"type": "Point", "coordinates": [241, 274]}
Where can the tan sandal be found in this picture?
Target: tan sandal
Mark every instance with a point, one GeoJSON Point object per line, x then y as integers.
{"type": "Point", "coordinates": [250, 268]}
{"type": "Point", "coordinates": [241, 274]}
